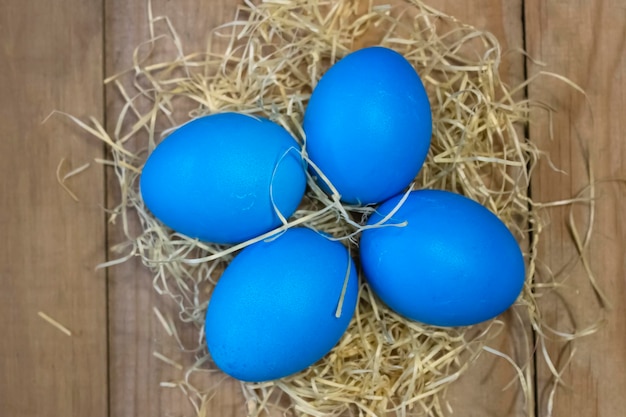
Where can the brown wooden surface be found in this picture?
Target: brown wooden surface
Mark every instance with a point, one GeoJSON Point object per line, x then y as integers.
{"type": "Point", "coordinates": [51, 58]}
{"type": "Point", "coordinates": [466, 396]}
{"type": "Point", "coordinates": [586, 42]}
{"type": "Point", "coordinates": [53, 55]}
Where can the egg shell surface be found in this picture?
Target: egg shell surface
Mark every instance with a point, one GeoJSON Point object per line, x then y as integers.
{"type": "Point", "coordinates": [272, 313]}
{"type": "Point", "coordinates": [454, 264]}
{"type": "Point", "coordinates": [368, 125]}
{"type": "Point", "coordinates": [211, 178]}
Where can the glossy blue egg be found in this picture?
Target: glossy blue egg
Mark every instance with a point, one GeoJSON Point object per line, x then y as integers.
{"type": "Point", "coordinates": [455, 263]}
{"type": "Point", "coordinates": [273, 311]}
{"type": "Point", "coordinates": [368, 125]}
{"type": "Point", "coordinates": [221, 178]}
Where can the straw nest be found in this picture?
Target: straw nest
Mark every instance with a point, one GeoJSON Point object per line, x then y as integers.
{"type": "Point", "coordinates": [266, 62]}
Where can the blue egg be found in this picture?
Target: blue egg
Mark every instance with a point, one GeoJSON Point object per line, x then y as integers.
{"type": "Point", "coordinates": [221, 178]}
{"type": "Point", "coordinates": [368, 125]}
{"type": "Point", "coordinates": [273, 311]}
{"type": "Point", "coordinates": [454, 264]}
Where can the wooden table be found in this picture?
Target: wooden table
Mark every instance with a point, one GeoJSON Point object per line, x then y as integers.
{"type": "Point", "coordinates": [55, 54]}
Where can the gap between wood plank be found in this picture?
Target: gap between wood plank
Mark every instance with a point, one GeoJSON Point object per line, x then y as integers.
{"type": "Point", "coordinates": [535, 391]}
{"type": "Point", "coordinates": [105, 179]}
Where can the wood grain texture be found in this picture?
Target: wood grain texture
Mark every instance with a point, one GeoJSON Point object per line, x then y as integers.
{"type": "Point", "coordinates": [135, 332]}
{"type": "Point", "coordinates": [51, 59]}
{"type": "Point", "coordinates": [584, 41]}
{"type": "Point", "coordinates": [479, 392]}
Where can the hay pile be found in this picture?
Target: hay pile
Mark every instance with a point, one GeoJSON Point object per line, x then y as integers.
{"type": "Point", "coordinates": [266, 62]}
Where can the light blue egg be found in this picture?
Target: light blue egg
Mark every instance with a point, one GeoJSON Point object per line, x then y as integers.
{"type": "Point", "coordinates": [454, 264]}
{"type": "Point", "coordinates": [220, 178]}
{"type": "Point", "coordinates": [368, 125]}
{"type": "Point", "coordinates": [272, 313]}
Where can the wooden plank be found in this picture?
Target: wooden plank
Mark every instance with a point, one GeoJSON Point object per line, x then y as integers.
{"type": "Point", "coordinates": [135, 332]}
{"type": "Point", "coordinates": [584, 41]}
{"type": "Point", "coordinates": [51, 59]}
{"type": "Point", "coordinates": [479, 392]}
{"type": "Point", "coordinates": [500, 17]}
